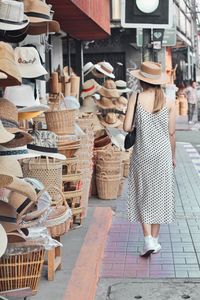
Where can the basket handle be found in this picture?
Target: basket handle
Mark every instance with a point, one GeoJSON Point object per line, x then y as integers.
{"type": "Point", "coordinates": [59, 99]}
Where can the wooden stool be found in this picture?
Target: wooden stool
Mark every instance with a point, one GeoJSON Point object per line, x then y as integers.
{"type": "Point", "coordinates": [54, 261]}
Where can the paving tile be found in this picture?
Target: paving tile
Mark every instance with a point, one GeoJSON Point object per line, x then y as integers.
{"type": "Point", "coordinates": [181, 274]}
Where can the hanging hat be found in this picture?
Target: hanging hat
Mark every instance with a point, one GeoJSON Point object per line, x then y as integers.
{"type": "Point", "coordinates": [69, 103]}
{"type": "Point", "coordinates": [89, 88]}
{"type": "Point", "coordinates": [111, 120]}
{"type": "Point", "coordinates": [88, 105]}
{"type": "Point", "coordinates": [5, 136]}
{"type": "Point", "coordinates": [12, 15]}
{"type": "Point", "coordinates": [105, 103]}
{"type": "Point", "coordinates": [9, 118]}
{"type": "Point", "coordinates": [4, 240]}
{"type": "Point", "coordinates": [150, 72]}
{"type": "Point", "coordinates": [29, 115]}
{"type": "Point", "coordinates": [28, 61]}
{"type": "Point", "coordinates": [121, 86]}
{"type": "Point", "coordinates": [8, 66]}
{"type": "Point", "coordinates": [13, 36]}
{"type": "Point", "coordinates": [45, 143]}
{"type": "Point", "coordinates": [87, 68]}
{"type": "Point", "coordinates": [121, 103]}
{"type": "Point", "coordinates": [10, 166]}
{"type": "Point", "coordinates": [109, 89]}
{"type": "Point", "coordinates": [17, 153]}
{"type": "Point", "coordinates": [105, 68]}
{"type": "Point", "coordinates": [39, 14]}
{"type": "Point", "coordinates": [8, 216]}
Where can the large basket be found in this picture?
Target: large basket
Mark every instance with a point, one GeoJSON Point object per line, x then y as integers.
{"type": "Point", "coordinates": [107, 188]}
{"type": "Point", "coordinates": [47, 170]}
{"type": "Point", "coordinates": [22, 270]}
{"type": "Point", "coordinates": [126, 168]}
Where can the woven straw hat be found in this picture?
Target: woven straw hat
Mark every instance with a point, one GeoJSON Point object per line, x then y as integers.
{"type": "Point", "coordinates": [10, 166]}
{"type": "Point", "coordinates": [39, 14]}
{"type": "Point", "coordinates": [150, 72]}
{"type": "Point", "coordinates": [87, 68]}
{"type": "Point", "coordinates": [8, 66]}
{"type": "Point", "coordinates": [3, 239]}
{"type": "Point", "coordinates": [105, 68]}
{"type": "Point", "coordinates": [9, 118]}
{"type": "Point", "coordinates": [5, 136]}
{"type": "Point", "coordinates": [121, 103]}
{"type": "Point", "coordinates": [105, 103]}
{"type": "Point", "coordinates": [109, 89]}
{"type": "Point", "coordinates": [5, 180]}
{"type": "Point", "coordinates": [17, 153]}
{"type": "Point", "coordinates": [8, 216]}
{"type": "Point", "coordinates": [121, 86]}
{"type": "Point", "coordinates": [89, 88]}
{"type": "Point", "coordinates": [111, 120]}
{"type": "Point", "coordinates": [88, 105]}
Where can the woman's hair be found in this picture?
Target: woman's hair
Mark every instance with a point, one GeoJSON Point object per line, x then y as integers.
{"type": "Point", "coordinates": [159, 95]}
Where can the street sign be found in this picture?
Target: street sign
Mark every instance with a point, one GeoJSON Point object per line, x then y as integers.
{"type": "Point", "coordinates": [146, 13]}
{"type": "Point", "coordinates": [169, 38]}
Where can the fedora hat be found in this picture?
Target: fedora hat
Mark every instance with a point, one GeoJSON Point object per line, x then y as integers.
{"type": "Point", "coordinates": [12, 15]}
{"type": "Point", "coordinates": [29, 63]}
{"type": "Point", "coordinates": [45, 143]}
{"type": "Point", "coordinates": [13, 36]}
{"type": "Point", "coordinates": [8, 66]}
{"type": "Point", "coordinates": [87, 68]}
{"type": "Point", "coordinates": [4, 240]}
{"type": "Point", "coordinates": [121, 86]}
{"type": "Point", "coordinates": [8, 216]}
{"type": "Point", "coordinates": [89, 88]}
{"type": "Point", "coordinates": [150, 72]}
{"type": "Point", "coordinates": [89, 105]}
{"type": "Point", "coordinates": [111, 120]}
{"type": "Point", "coordinates": [39, 14]}
{"type": "Point", "coordinates": [121, 103]}
{"type": "Point", "coordinates": [9, 118]}
{"type": "Point", "coordinates": [17, 153]}
{"type": "Point", "coordinates": [105, 103]}
{"type": "Point", "coordinates": [10, 166]}
{"type": "Point", "coordinates": [5, 136]}
{"type": "Point", "coordinates": [105, 69]}
{"type": "Point", "coordinates": [29, 115]}
{"type": "Point", "coordinates": [109, 89]}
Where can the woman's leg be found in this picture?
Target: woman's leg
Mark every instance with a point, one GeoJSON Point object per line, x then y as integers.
{"type": "Point", "coordinates": [155, 229]}
{"type": "Point", "coordinates": [148, 241]}
{"type": "Point", "coordinates": [146, 229]}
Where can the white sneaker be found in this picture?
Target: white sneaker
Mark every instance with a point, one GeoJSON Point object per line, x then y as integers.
{"type": "Point", "coordinates": [149, 247]}
{"type": "Point", "coordinates": [157, 246]}
{"type": "Point", "coordinates": [190, 122]}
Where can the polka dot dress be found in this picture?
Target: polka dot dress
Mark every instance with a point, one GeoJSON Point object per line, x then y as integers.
{"type": "Point", "coordinates": [151, 175]}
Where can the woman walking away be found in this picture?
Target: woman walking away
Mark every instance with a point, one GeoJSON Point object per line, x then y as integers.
{"type": "Point", "coordinates": [151, 175]}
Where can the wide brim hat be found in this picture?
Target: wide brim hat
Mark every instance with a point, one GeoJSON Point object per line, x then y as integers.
{"type": "Point", "coordinates": [150, 72]}
{"type": "Point", "coordinates": [121, 86]}
{"type": "Point", "coordinates": [3, 239]}
{"type": "Point", "coordinates": [21, 138]}
{"type": "Point", "coordinates": [89, 88]}
{"type": "Point", "coordinates": [89, 105]}
{"type": "Point", "coordinates": [8, 216]}
{"type": "Point", "coordinates": [3, 75]}
{"type": "Point", "coordinates": [37, 28]}
{"type": "Point", "coordinates": [103, 70]}
{"type": "Point", "coordinates": [5, 136]}
{"type": "Point", "coordinates": [109, 93]}
{"type": "Point", "coordinates": [10, 166]}
{"type": "Point", "coordinates": [5, 180]}
{"type": "Point", "coordinates": [29, 115]}
{"type": "Point", "coordinates": [34, 108]}
{"type": "Point", "coordinates": [105, 103]}
{"type": "Point", "coordinates": [14, 36]}
{"type": "Point", "coordinates": [117, 123]}
{"type": "Point", "coordinates": [87, 68]}
{"type": "Point", "coordinates": [17, 153]}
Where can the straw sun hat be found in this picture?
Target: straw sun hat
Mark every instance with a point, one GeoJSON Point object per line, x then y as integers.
{"type": "Point", "coordinates": [89, 88]}
{"type": "Point", "coordinates": [104, 68]}
{"type": "Point", "coordinates": [150, 72]}
{"type": "Point", "coordinates": [111, 120]}
{"type": "Point", "coordinates": [109, 89]}
{"type": "Point", "coordinates": [5, 136]}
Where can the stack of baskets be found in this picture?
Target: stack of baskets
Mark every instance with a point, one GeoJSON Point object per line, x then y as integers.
{"type": "Point", "coordinates": [108, 174]}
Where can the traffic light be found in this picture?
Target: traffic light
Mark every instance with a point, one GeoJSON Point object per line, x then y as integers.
{"type": "Point", "coordinates": [147, 13]}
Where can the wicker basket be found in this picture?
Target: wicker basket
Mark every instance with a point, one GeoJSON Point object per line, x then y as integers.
{"type": "Point", "coordinates": [48, 171]}
{"type": "Point", "coordinates": [70, 165]}
{"type": "Point", "coordinates": [22, 270]}
{"type": "Point", "coordinates": [126, 168]}
{"type": "Point", "coordinates": [121, 187]}
{"type": "Point", "coordinates": [107, 188]}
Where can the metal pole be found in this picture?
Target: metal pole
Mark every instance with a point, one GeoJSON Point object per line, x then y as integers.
{"type": "Point", "coordinates": [68, 54]}
{"type": "Point", "coordinates": [146, 50]}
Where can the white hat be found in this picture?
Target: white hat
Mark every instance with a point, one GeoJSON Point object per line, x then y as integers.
{"type": "Point", "coordinates": [12, 15]}
{"type": "Point", "coordinates": [105, 68]}
{"type": "Point", "coordinates": [18, 153]}
{"type": "Point", "coordinates": [28, 61]}
{"type": "Point", "coordinates": [87, 68]}
{"type": "Point", "coordinates": [5, 136]}
{"type": "Point", "coordinates": [69, 102]}
{"type": "Point", "coordinates": [23, 95]}
{"type": "Point", "coordinates": [121, 86]}
{"type": "Point", "coordinates": [3, 75]}
{"type": "Point", "coordinates": [4, 240]}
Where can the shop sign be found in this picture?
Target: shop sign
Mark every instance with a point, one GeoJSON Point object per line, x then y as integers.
{"type": "Point", "coordinates": [169, 38]}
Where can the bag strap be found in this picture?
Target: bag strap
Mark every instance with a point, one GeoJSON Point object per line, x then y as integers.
{"type": "Point", "coordinates": [135, 107]}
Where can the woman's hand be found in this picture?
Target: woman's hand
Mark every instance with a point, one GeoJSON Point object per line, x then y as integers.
{"type": "Point", "coordinates": [174, 162]}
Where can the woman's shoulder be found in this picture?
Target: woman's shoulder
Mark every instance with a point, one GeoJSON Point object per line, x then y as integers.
{"type": "Point", "coordinates": [170, 104]}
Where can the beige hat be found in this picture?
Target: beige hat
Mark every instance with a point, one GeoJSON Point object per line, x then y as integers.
{"type": "Point", "coordinates": [89, 105]}
{"type": "Point", "coordinates": [8, 66]}
{"type": "Point", "coordinates": [105, 68]}
{"type": "Point", "coordinates": [121, 86]}
{"type": "Point", "coordinates": [87, 68]}
{"type": "Point", "coordinates": [10, 166]}
{"type": "Point", "coordinates": [109, 89]}
{"type": "Point", "coordinates": [39, 14]}
{"type": "Point", "coordinates": [4, 240]}
{"type": "Point", "coordinates": [121, 103]}
{"type": "Point", "coordinates": [105, 103]}
{"type": "Point", "coordinates": [8, 216]}
{"type": "Point", "coordinates": [5, 136]}
{"type": "Point", "coordinates": [89, 88]}
{"type": "Point", "coordinates": [9, 118]}
{"type": "Point", "coordinates": [150, 72]}
{"type": "Point", "coordinates": [111, 120]}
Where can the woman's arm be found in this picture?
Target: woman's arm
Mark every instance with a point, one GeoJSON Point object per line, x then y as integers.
{"type": "Point", "coordinates": [172, 129]}
{"type": "Point", "coordinates": [127, 126]}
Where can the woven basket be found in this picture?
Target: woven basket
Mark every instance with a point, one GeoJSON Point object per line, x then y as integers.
{"type": "Point", "coordinates": [107, 188]}
{"type": "Point", "coordinates": [22, 270]}
{"type": "Point", "coordinates": [47, 170]}
{"type": "Point", "coordinates": [126, 168]}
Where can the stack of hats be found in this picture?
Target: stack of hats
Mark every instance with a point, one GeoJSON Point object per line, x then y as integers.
{"type": "Point", "coordinates": [100, 70]}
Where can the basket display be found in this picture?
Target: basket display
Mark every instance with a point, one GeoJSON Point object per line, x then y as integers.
{"type": "Point", "coordinates": [47, 170]}
{"type": "Point", "coordinates": [107, 188]}
{"type": "Point", "coordinates": [22, 270]}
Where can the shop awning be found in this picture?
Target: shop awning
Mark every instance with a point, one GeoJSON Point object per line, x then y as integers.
{"type": "Point", "coordinates": [83, 19]}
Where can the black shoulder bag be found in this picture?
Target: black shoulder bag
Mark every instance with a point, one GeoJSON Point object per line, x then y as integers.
{"type": "Point", "coordinates": [131, 136]}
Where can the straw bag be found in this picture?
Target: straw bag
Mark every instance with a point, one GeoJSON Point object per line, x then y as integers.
{"type": "Point", "coordinates": [60, 121]}
{"type": "Point", "coordinates": [47, 170]}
